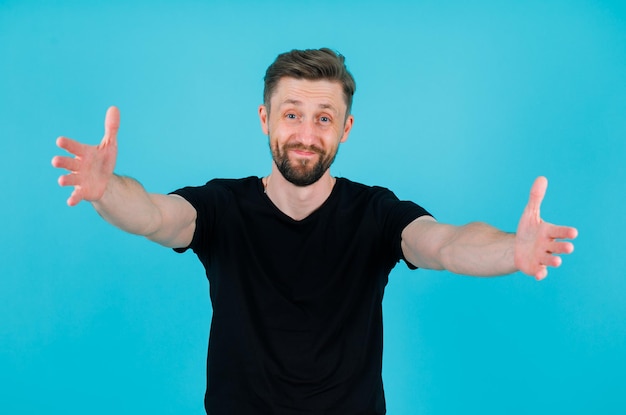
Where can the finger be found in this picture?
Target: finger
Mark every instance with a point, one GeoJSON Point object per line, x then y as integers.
{"type": "Point", "coordinates": [71, 146]}
{"type": "Point", "coordinates": [68, 163]}
{"type": "Point", "coordinates": [537, 192]}
{"type": "Point", "coordinates": [542, 273]}
{"type": "Point", "coordinates": [111, 124]}
{"type": "Point", "coordinates": [550, 260]}
{"type": "Point", "coordinates": [69, 180]}
{"type": "Point", "coordinates": [558, 247]}
{"type": "Point", "coordinates": [74, 198]}
{"type": "Point", "coordinates": [562, 232]}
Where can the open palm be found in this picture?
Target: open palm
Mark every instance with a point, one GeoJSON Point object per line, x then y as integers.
{"type": "Point", "coordinates": [92, 166]}
{"type": "Point", "coordinates": [537, 243]}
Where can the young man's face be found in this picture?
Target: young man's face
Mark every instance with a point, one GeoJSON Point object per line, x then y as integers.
{"type": "Point", "coordinates": [305, 123]}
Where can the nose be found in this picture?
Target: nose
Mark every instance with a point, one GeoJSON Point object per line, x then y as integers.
{"type": "Point", "coordinates": [307, 133]}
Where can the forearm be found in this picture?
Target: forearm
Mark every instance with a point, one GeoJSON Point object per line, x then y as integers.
{"type": "Point", "coordinates": [127, 205]}
{"type": "Point", "coordinates": [479, 249]}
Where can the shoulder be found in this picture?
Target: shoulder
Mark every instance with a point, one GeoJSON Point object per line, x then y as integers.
{"type": "Point", "coordinates": [347, 186]}
{"type": "Point", "coordinates": [380, 200]}
{"type": "Point", "coordinates": [234, 184]}
{"type": "Point", "coordinates": [219, 190]}
{"type": "Point", "coordinates": [377, 198]}
{"type": "Point", "coordinates": [228, 185]}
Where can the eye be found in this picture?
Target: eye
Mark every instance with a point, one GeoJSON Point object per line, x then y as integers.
{"type": "Point", "coordinates": [291, 116]}
{"type": "Point", "coordinates": [325, 119]}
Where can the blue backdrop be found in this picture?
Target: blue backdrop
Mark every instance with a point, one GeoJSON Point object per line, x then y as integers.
{"type": "Point", "coordinates": [459, 106]}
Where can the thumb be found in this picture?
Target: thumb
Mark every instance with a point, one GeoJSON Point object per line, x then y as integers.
{"type": "Point", "coordinates": [111, 124]}
{"type": "Point", "coordinates": [537, 192]}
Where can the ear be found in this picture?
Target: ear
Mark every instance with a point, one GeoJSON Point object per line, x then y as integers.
{"type": "Point", "coordinates": [264, 118]}
{"type": "Point", "coordinates": [347, 127]}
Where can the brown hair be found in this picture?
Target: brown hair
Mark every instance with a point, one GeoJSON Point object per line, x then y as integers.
{"type": "Point", "coordinates": [310, 64]}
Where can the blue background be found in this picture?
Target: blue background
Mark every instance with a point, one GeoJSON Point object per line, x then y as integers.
{"type": "Point", "coordinates": [459, 106]}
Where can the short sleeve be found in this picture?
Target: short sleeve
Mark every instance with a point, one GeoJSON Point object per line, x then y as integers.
{"type": "Point", "coordinates": [396, 215]}
{"type": "Point", "coordinates": [208, 200]}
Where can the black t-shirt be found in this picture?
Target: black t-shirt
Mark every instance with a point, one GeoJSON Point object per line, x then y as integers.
{"type": "Point", "coordinates": [297, 305]}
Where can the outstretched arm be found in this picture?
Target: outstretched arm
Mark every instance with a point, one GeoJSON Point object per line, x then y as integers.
{"type": "Point", "coordinates": [479, 249]}
{"type": "Point", "coordinates": [122, 201]}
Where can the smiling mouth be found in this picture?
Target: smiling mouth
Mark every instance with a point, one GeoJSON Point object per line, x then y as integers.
{"type": "Point", "coordinates": [305, 151]}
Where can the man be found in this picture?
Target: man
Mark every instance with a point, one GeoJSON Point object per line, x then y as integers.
{"type": "Point", "coordinates": [298, 260]}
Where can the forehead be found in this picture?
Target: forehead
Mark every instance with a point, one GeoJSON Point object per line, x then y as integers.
{"type": "Point", "coordinates": [304, 91]}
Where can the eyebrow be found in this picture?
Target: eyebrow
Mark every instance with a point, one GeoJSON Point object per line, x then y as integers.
{"type": "Point", "coordinates": [298, 102]}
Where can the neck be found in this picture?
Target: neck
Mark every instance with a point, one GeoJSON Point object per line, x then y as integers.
{"type": "Point", "coordinates": [297, 202]}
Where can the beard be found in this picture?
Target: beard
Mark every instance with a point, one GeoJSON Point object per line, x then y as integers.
{"type": "Point", "coordinates": [302, 172]}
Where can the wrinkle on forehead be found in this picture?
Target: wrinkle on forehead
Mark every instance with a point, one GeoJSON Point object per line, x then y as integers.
{"type": "Point", "coordinates": [327, 95]}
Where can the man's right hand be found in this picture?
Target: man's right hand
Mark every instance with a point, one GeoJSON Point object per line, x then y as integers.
{"type": "Point", "coordinates": [92, 167]}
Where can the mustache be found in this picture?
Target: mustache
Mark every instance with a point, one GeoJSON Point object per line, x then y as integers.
{"type": "Point", "coordinates": [300, 146]}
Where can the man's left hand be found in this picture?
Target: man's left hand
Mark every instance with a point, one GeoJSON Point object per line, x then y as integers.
{"type": "Point", "coordinates": [538, 243]}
